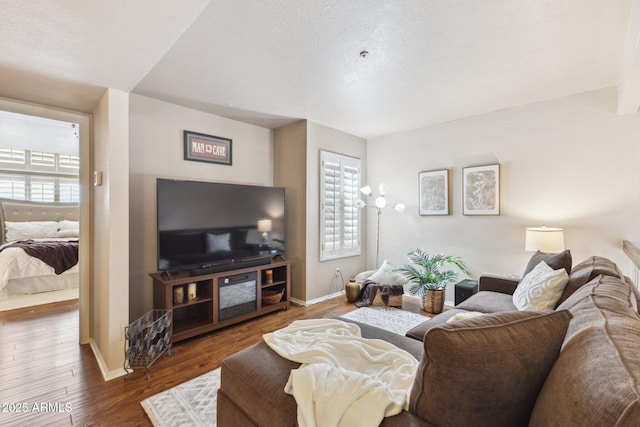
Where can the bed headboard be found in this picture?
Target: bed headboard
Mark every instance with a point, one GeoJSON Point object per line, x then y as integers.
{"type": "Point", "coordinates": [22, 211]}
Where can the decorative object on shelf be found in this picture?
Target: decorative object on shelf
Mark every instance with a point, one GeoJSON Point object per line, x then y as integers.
{"type": "Point", "coordinates": [380, 203]}
{"type": "Point", "coordinates": [352, 290]}
{"type": "Point", "coordinates": [434, 192]}
{"type": "Point", "coordinates": [544, 239]}
{"type": "Point", "coordinates": [207, 148]}
{"type": "Point", "coordinates": [429, 280]}
{"type": "Point", "coordinates": [178, 294]}
{"type": "Point", "coordinates": [481, 190]}
{"type": "Point", "coordinates": [268, 274]}
{"type": "Point", "coordinates": [191, 291]}
{"type": "Point", "coordinates": [270, 297]}
{"type": "Point", "coordinates": [264, 226]}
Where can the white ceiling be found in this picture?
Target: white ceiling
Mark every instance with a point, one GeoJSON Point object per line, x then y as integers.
{"type": "Point", "coordinates": [272, 62]}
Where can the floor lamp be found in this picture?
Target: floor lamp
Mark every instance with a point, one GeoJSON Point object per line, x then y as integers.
{"type": "Point", "coordinates": [379, 203]}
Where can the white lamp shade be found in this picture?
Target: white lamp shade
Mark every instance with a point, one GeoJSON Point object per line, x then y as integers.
{"type": "Point", "coordinates": [381, 202]}
{"type": "Point", "coordinates": [382, 188]}
{"type": "Point", "coordinates": [366, 190]}
{"type": "Point", "coordinates": [360, 203]}
{"type": "Point", "coordinates": [544, 239]}
{"type": "Point", "coordinates": [399, 207]}
{"type": "Point", "coordinates": [264, 225]}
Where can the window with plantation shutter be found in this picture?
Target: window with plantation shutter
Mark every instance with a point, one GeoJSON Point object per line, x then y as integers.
{"type": "Point", "coordinates": [13, 187]}
{"type": "Point", "coordinates": [13, 156]}
{"type": "Point", "coordinates": [39, 176]}
{"type": "Point", "coordinates": [339, 215]}
{"type": "Point", "coordinates": [68, 190]}
{"type": "Point", "coordinates": [42, 189]}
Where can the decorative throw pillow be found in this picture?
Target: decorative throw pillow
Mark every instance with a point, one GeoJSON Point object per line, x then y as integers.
{"type": "Point", "coordinates": [386, 276]}
{"type": "Point", "coordinates": [487, 371]}
{"type": "Point", "coordinates": [540, 289]}
{"type": "Point", "coordinates": [30, 230]}
{"type": "Point", "coordinates": [463, 316]}
{"type": "Point", "coordinates": [218, 242]}
{"type": "Point", "coordinates": [555, 261]}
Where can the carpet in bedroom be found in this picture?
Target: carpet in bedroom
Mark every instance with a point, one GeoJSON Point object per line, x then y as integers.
{"type": "Point", "coordinates": [193, 403]}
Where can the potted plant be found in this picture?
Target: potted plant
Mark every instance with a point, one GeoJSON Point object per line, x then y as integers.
{"type": "Point", "coordinates": [429, 279]}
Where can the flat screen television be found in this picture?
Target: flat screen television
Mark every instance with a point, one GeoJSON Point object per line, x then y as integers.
{"type": "Point", "coordinates": [206, 226]}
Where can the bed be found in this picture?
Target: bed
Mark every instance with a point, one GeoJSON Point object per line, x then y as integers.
{"type": "Point", "coordinates": [50, 231]}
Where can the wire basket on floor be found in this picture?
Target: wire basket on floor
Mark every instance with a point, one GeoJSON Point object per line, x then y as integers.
{"type": "Point", "coordinates": [146, 339]}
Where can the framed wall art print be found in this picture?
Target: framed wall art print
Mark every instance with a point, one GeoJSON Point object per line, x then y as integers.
{"type": "Point", "coordinates": [481, 190]}
{"type": "Point", "coordinates": [207, 148]}
{"type": "Point", "coordinates": [434, 192]}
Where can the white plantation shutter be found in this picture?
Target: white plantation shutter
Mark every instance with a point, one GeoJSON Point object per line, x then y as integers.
{"type": "Point", "coordinates": [13, 187]}
{"type": "Point", "coordinates": [39, 176]}
{"type": "Point", "coordinates": [69, 190]}
{"type": "Point", "coordinates": [13, 156]}
{"type": "Point", "coordinates": [42, 189]}
{"type": "Point", "coordinates": [339, 216]}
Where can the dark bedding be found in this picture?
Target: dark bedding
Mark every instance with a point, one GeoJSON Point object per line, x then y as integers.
{"type": "Point", "coordinates": [61, 255]}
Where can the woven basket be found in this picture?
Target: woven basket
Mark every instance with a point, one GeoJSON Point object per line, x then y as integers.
{"type": "Point", "coordinates": [394, 300]}
{"type": "Point", "coordinates": [432, 301]}
{"type": "Point", "coordinates": [272, 297]}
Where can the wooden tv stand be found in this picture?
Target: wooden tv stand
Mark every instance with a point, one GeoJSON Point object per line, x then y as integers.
{"type": "Point", "coordinates": [202, 314]}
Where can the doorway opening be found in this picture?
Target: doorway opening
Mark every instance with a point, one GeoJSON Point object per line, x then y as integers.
{"type": "Point", "coordinates": [44, 207]}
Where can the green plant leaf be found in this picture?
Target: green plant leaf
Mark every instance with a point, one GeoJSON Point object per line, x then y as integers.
{"type": "Point", "coordinates": [426, 271]}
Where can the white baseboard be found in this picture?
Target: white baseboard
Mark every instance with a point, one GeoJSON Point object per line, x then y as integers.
{"type": "Point", "coordinates": [316, 300]}
{"type": "Point", "coordinates": [23, 301]}
{"type": "Point", "coordinates": [107, 375]}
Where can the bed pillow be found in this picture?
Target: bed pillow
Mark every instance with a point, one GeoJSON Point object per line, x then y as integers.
{"type": "Point", "coordinates": [487, 371]}
{"type": "Point", "coordinates": [541, 288]}
{"type": "Point", "coordinates": [30, 230]}
{"type": "Point", "coordinates": [65, 225]}
{"type": "Point", "coordinates": [68, 233]}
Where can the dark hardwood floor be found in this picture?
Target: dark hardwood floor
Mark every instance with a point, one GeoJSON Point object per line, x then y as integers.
{"type": "Point", "coordinates": [48, 379]}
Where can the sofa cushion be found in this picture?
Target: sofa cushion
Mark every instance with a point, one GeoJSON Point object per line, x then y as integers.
{"type": "Point", "coordinates": [411, 346]}
{"type": "Point", "coordinates": [586, 271]}
{"type": "Point", "coordinates": [487, 371]}
{"type": "Point", "coordinates": [596, 379]}
{"type": "Point", "coordinates": [541, 288]}
{"type": "Point", "coordinates": [418, 331]}
{"type": "Point", "coordinates": [555, 261]}
{"type": "Point", "coordinates": [254, 378]}
{"type": "Point", "coordinates": [488, 302]}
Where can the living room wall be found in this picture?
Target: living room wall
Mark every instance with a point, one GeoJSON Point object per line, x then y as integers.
{"type": "Point", "coordinates": [157, 150]}
{"type": "Point", "coordinates": [570, 162]}
{"type": "Point", "coordinates": [297, 149]}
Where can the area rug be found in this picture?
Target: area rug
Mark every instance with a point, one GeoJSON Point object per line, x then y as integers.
{"type": "Point", "coordinates": [193, 403]}
{"type": "Point", "coordinates": [389, 318]}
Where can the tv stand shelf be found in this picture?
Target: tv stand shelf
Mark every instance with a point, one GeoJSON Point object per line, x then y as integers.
{"type": "Point", "coordinates": [202, 313]}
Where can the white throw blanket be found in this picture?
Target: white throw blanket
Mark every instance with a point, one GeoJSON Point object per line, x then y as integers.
{"type": "Point", "coordinates": [344, 380]}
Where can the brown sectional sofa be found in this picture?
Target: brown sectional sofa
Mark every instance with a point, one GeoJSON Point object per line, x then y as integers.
{"type": "Point", "coordinates": [578, 365]}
